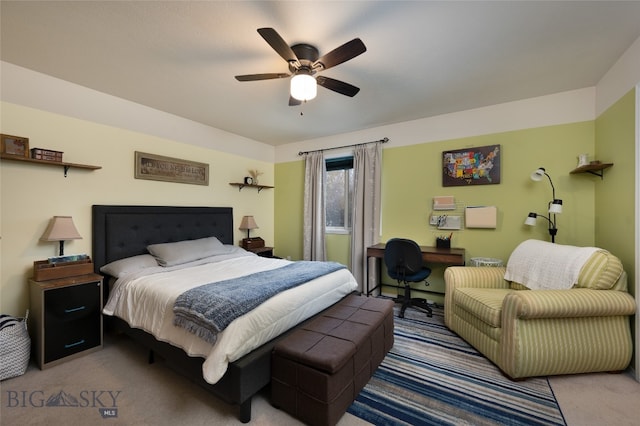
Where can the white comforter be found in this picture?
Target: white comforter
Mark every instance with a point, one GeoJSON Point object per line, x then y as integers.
{"type": "Point", "coordinates": [145, 300]}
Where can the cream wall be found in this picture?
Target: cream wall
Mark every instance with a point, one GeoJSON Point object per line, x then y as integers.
{"type": "Point", "coordinates": [32, 194]}
{"type": "Point", "coordinates": [22, 86]}
{"type": "Point", "coordinates": [623, 75]}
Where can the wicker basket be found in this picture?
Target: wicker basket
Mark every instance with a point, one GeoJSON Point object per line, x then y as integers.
{"type": "Point", "coordinates": [15, 347]}
{"type": "Point", "coordinates": [486, 261]}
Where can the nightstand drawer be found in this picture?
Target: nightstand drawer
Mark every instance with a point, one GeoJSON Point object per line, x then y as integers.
{"type": "Point", "coordinates": [72, 337]}
{"type": "Point", "coordinates": [71, 303]}
{"type": "Point", "coordinates": [71, 319]}
{"type": "Point", "coordinates": [66, 318]}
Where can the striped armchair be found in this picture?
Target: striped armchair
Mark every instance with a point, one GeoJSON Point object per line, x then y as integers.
{"type": "Point", "coordinates": [544, 332]}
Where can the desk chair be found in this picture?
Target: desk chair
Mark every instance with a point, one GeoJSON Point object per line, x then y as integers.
{"type": "Point", "coordinates": [403, 259]}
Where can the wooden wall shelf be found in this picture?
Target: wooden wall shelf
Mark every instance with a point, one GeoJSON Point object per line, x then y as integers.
{"type": "Point", "coordinates": [594, 169]}
{"type": "Point", "coordinates": [62, 164]}
{"type": "Point", "coordinates": [242, 185]}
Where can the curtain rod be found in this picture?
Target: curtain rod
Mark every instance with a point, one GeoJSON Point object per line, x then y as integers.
{"type": "Point", "coordinates": [383, 140]}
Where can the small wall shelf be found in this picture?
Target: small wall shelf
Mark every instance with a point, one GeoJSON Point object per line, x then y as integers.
{"type": "Point", "coordinates": [242, 185]}
{"type": "Point", "coordinates": [595, 169]}
{"type": "Point", "coordinates": [62, 164]}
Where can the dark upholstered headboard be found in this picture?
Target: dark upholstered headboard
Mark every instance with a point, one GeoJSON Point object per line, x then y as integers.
{"type": "Point", "coordinates": [124, 231]}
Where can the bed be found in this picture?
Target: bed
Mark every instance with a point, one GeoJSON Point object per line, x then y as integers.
{"type": "Point", "coordinates": [232, 373]}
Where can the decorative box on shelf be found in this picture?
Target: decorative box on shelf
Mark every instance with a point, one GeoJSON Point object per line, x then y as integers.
{"type": "Point", "coordinates": [252, 243]}
{"type": "Point", "coordinates": [45, 270]}
{"type": "Point", "coordinates": [46, 154]}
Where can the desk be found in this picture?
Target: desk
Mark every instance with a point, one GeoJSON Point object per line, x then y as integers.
{"type": "Point", "coordinates": [450, 256]}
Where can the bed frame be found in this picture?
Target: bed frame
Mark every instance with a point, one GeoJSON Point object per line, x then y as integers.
{"type": "Point", "coordinates": [124, 231]}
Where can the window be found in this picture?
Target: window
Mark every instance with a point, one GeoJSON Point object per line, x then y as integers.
{"type": "Point", "coordinates": [339, 194]}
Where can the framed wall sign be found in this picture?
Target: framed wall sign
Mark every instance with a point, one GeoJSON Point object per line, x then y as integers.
{"type": "Point", "coordinates": [15, 146]}
{"type": "Point", "coordinates": [471, 166]}
{"type": "Point", "coordinates": [167, 169]}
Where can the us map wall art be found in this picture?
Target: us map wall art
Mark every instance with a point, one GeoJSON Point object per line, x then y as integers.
{"type": "Point", "coordinates": [471, 166]}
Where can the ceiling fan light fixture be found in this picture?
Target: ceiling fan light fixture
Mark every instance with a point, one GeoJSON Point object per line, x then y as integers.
{"type": "Point", "coordinates": [303, 87]}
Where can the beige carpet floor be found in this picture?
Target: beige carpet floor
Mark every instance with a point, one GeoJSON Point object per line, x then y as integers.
{"type": "Point", "coordinates": [154, 395]}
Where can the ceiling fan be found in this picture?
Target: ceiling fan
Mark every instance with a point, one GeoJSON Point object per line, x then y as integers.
{"type": "Point", "coordinates": [304, 63]}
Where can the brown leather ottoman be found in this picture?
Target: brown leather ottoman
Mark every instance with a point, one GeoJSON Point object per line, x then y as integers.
{"type": "Point", "coordinates": [319, 369]}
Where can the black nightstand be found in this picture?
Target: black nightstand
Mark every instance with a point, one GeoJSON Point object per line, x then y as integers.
{"type": "Point", "coordinates": [262, 251]}
{"type": "Point", "coordinates": [66, 318]}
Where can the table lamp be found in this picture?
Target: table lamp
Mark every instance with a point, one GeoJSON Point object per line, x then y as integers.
{"type": "Point", "coordinates": [61, 228]}
{"type": "Point", "coordinates": [248, 223]}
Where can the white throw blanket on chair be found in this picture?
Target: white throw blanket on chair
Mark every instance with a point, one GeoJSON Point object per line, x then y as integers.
{"type": "Point", "coordinates": [540, 265]}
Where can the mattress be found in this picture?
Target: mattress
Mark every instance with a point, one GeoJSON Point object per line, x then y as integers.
{"type": "Point", "coordinates": [145, 300]}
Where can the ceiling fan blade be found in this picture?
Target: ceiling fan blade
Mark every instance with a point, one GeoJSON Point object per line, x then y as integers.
{"type": "Point", "coordinates": [337, 86]}
{"type": "Point", "coordinates": [293, 101]}
{"type": "Point", "coordinates": [342, 54]}
{"type": "Point", "coordinates": [254, 77]}
{"type": "Point", "coordinates": [278, 44]}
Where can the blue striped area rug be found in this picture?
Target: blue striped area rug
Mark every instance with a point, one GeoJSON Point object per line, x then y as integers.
{"type": "Point", "coordinates": [433, 377]}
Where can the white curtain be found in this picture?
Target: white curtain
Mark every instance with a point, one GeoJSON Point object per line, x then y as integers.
{"type": "Point", "coordinates": [367, 167]}
{"type": "Point", "coordinates": [314, 215]}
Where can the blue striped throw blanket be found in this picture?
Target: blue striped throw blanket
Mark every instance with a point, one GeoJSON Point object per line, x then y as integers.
{"type": "Point", "coordinates": [208, 309]}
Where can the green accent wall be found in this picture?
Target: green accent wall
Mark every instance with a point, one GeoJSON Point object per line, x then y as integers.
{"type": "Point", "coordinates": [289, 209]}
{"type": "Point", "coordinates": [615, 193]}
{"type": "Point", "coordinates": [289, 196]}
{"type": "Point", "coordinates": [596, 212]}
{"type": "Point", "coordinates": [412, 176]}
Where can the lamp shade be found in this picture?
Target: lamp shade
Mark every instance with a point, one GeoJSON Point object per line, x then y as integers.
{"type": "Point", "coordinates": [303, 87]}
{"type": "Point", "coordinates": [538, 174]}
{"type": "Point", "coordinates": [61, 228]}
{"type": "Point", "coordinates": [555, 206]}
{"type": "Point", "coordinates": [248, 223]}
{"type": "Point", "coordinates": [531, 219]}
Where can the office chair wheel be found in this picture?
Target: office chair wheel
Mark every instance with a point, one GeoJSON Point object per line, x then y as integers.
{"type": "Point", "coordinates": [422, 304]}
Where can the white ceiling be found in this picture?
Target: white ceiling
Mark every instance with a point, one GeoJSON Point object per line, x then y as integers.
{"type": "Point", "coordinates": [423, 58]}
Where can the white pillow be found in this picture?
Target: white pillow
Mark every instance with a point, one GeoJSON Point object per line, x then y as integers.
{"type": "Point", "coordinates": [169, 254]}
{"type": "Point", "coordinates": [127, 265]}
